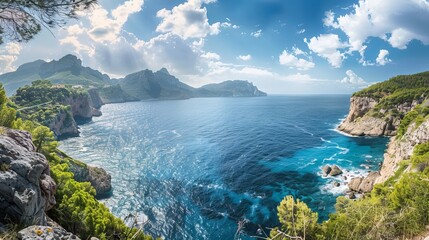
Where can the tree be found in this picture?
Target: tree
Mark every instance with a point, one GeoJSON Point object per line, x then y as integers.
{"type": "Point", "coordinates": [20, 20]}
{"type": "Point", "coordinates": [44, 140]}
{"type": "Point", "coordinates": [297, 220]}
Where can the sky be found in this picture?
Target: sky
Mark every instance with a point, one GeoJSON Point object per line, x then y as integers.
{"type": "Point", "coordinates": [282, 46]}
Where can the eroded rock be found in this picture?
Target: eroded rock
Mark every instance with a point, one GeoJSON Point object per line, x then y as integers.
{"type": "Point", "coordinates": [26, 187]}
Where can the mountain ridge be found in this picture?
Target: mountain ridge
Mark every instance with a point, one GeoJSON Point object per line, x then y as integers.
{"type": "Point", "coordinates": [141, 85]}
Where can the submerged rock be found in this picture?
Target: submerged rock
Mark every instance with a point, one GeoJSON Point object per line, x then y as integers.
{"type": "Point", "coordinates": [26, 187]}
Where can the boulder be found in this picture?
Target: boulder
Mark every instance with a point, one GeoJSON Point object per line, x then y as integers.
{"type": "Point", "coordinates": [355, 183]}
{"type": "Point", "coordinates": [352, 195]}
{"type": "Point", "coordinates": [337, 184]}
{"type": "Point", "coordinates": [44, 232]}
{"type": "Point", "coordinates": [335, 171]}
{"type": "Point", "coordinates": [26, 187]}
{"type": "Point", "coordinates": [326, 170]}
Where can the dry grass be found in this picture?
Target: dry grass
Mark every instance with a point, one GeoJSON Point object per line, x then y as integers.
{"type": "Point", "coordinates": [11, 232]}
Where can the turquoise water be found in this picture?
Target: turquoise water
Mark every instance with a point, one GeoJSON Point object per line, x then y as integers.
{"type": "Point", "coordinates": [191, 169]}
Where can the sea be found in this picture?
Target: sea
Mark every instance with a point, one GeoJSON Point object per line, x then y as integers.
{"type": "Point", "coordinates": [217, 168]}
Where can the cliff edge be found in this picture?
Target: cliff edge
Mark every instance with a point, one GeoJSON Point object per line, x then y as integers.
{"type": "Point", "coordinates": [397, 108]}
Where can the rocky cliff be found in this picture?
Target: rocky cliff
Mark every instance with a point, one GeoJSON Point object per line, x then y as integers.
{"type": "Point", "coordinates": [401, 148]}
{"type": "Point", "coordinates": [364, 119]}
{"type": "Point", "coordinates": [397, 108]}
{"type": "Point", "coordinates": [26, 187]}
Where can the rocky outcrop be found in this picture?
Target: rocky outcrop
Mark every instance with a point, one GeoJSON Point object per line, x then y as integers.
{"type": "Point", "coordinates": [26, 187]}
{"type": "Point", "coordinates": [45, 232]}
{"type": "Point", "coordinates": [98, 177]}
{"type": "Point", "coordinates": [363, 185]}
{"type": "Point", "coordinates": [401, 149]}
{"type": "Point", "coordinates": [64, 125]}
{"type": "Point", "coordinates": [359, 123]}
{"type": "Point", "coordinates": [333, 170]}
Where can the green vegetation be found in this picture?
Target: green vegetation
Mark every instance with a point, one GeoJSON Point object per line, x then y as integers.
{"type": "Point", "coordinates": [418, 115]}
{"type": "Point", "coordinates": [77, 210]}
{"type": "Point", "coordinates": [42, 101]}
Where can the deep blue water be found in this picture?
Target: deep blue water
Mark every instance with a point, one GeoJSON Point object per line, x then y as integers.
{"type": "Point", "coordinates": [193, 168]}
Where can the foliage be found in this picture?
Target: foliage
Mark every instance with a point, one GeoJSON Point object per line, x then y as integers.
{"type": "Point", "coordinates": [7, 114]}
{"type": "Point", "coordinates": [296, 219]}
{"type": "Point", "coordinates": [417, 115]}
{"type": "Point", "coordinates": [20, 20]}
{"type": "Point", "coordinates": [77, 209]}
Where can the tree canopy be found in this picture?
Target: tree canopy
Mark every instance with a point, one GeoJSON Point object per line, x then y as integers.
{"type": "Point", "coordinates": [20, 20]}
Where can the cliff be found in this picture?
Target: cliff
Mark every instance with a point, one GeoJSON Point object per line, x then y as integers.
{"type": "Point", "coordinates": [397, 108]}
{"type": "Point", "coordinates": [26, 187]}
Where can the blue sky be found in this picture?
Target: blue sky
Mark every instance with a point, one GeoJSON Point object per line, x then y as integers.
{"type": "Point", "coordinates": [282, 46]}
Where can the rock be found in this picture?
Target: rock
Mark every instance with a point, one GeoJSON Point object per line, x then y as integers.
{"type": "Point", "coordinates": [100, 180]}
{"type": "Point", "coordinates": [335, 171]}
{"type": "Point", "coordinates": [355, 183]}
{"type": "Point", "coordinates": [401, 149]}
{"type": "Point", "coordinates": [352, 195]}
{"type": "Point", "coordinates": [363, 185]}
{"type": "Point", "coordinates": [345, 177]}
{"type": "Point", "coordinates": [337, 184]}
{"type": "Point", "coordinates": [64, 125]}
{"type": "Point", "coordinates": [26, 187]}
{"type": "Point", "coordinates": [44, 232]}
{"type": "Point", "coordinates": [326, 170]}
{"type": "Point", "coordinates": [98, 177]}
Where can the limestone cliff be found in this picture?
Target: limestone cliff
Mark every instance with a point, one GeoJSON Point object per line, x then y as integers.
{"type": "Point", "coordinates": [26, 187]}
{"type": "Point", "coordinates": [390, 108]}
{"type": "Point", "coordinates": [401, 148]}
{"type": "Point", "coordinates": [64, 125]}
{"type": "Point", "coordinates": [364, 119]}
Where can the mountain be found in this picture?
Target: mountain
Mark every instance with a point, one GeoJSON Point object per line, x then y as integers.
{"type": "Point", "coordinates": [155, 85]}
{"type": "Point", "coordinates": [231, 88]}
{"type": "Point", "coordinates": [67, 70]}
{"type": "Point", "coordinates": [141, 85]}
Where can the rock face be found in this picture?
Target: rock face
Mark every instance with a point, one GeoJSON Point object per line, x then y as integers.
{"type": "Point", "coordinates": [98, 177]}
{"type": "Point", "coordinates": [401, 149]}
{"type": "Point", "coordinates": [64, 125]}
{"type": "Point", "coordinates": [358, 123]}
{"type": "Point", "coordinates": [26, 187]}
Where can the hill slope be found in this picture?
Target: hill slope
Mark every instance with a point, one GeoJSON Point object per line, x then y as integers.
{"type": "Point", "coordinates": [67, 70]}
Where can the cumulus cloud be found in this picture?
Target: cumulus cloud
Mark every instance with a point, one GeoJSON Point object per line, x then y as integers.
{"type": "Point", "coordinates": [8, 55]}
{"type": "Point", "coordinates": [187, 20]}
{"type": "Point", "coordinates": [328, 46]}
{"type": "Point", "coordinates": [257, 33]}
{"type": "Point", "coordinates": [352, 78]}
{"type": "Point", "coordinates": [382, 58]}
{"type": "Point", "coordinates": [211, 56]}
{"type": "Point", "coordinates": [107, 28]}
{"type": "Point", "coordinates": [301, 31]}
{"type": "Point", "coordinates": [292, 61]}
{"type": "Point", "coordinates": [396, 21]}
{"type": "Point", "coordinates": [245, 57]}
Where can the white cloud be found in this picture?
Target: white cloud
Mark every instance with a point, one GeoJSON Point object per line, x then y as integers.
{"type": "Point", "coordinates": [245, 57]}
{"type": "Point", "coordinates": [298, 51]}
{"type": "Point", "coordinates": [187, 20]}
{"type": "Point", "coordinates": [257, 33]}
{"type": "Point", "coordinates": [211, 56]}
{"type": "Point", "coordinates": [352, 78]}
{"type": "Point", "coordinates": [329, 20]}
{"type": "Point", "coordinates": [293, 62]}
{"type": "Point", "coordinates": [382, 58]}
{"type": "Point", "coordinates": [396, 21]}
{"type": "Point", "coordinates": [107, 28]}
{"type": "Point", "coordinates": [301, 31]}
{"type": "Point", "coordinates": [8, 55]}
{"type": "Point", "coordinates": [229, 25]}
{"type": "Point", "coordinates": [327, 46]}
